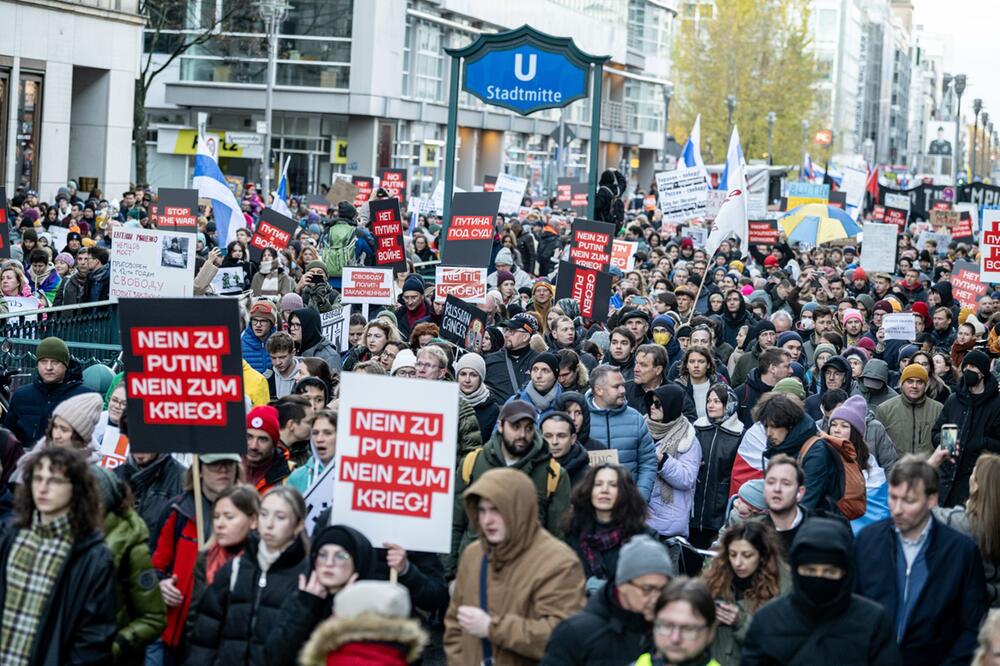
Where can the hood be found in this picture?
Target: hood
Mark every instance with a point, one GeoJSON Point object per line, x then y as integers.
{"type": "Point", "coordinates": [740, 313]}
{"type": "Point", "coordinates": [827, 535]}
{"type": "Point", "coordinates": [514, 495]}
{"type": "Point", "coordinates": [312, 334]}
{"type": "Point", "coordinates": [876, 369]}
{"type": "Point", "coordinates": [608, 180]}
{"type": "Point", "coordinates": [841, 364]}
{"type": "Point", "coordinates": [754, 380]}
{"type": "Point", "coordinates": [944, 291]}
{"type": "Point", "coordinates": [797, 436]}
{"type": "Point", "coordinates": [731, 424]}
{"type": "Point", "coordinates": [337, 632]}
{"type": "Point", "coordinates": [583, 434]}
{"type": "Point", "coordinates": [977, 399]}
{"type": "Point", "coordinates": [671, 397]}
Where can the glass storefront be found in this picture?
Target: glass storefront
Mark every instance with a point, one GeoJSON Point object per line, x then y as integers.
{"type": "Point", "coordinates": [29, 127]}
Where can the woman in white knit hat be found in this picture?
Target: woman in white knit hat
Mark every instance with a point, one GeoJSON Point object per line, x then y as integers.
{"type": "Point", "coordinates": [73, 422]}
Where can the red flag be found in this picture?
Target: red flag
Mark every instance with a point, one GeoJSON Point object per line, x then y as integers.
{"type": "Point", "coordinates": [872, 185]}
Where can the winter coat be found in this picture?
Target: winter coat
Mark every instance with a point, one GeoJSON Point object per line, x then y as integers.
{"type": "Point", "coordinates": [47, 285]}
{"type": "Point", "coordinates": [548, 245]}
{"type": "Point", "coordinates": [978, 419]}
{"type": "Point", "coordinates": [957, 519]}
{"type": "Point", "coordinates": [732, 322]}
{"type": "Point", "coordinates": [531, 583]}
{"type": "Point", "coordinates": [285, 284]}
{"type": "Point", "coordinates": [602, 633]}
{"type": "Point", "coordinates": [680, 474]}
{"type": "Point", "coordinates": [255, 349]}
{"type": "Point", "coordinates": [78, 623]}
{"type": "Point", "coordinates": [365, 639]}
{"type": "Point", "coordinates": [153, 487]}
{"type": "Point", "coordinates": [719, 443]}
{"type": "Point", "coordinates": [874, 369]}
{"type": "Point", "coordinates": [746, 362]}
{"type": "Point", "coordinates": [99, 284]}
{"type": "Point", "coordinates": [624, 429]}
{"type": "Point", "coordinates": [487, 413]}
{"type": "Point", "coordinates": [576, 462]}
{"type": "Point", "coordinates": [469, 435]}
{"type": "Point", "coordinates": [909, 424]}
{"type": "Point", "coordinates": [813, 402]}
{"type": "Point", "coordinates": [72, 290]}
{"type": "Point", "coordinates": [141, 613]}
{"type": "Point", "coordinates": [822, 466]}
{"type": "Point", "coordinates": [729, 640]}
{"type": "Point", "coordinates": [943, 623]}
{"type": "Point", "coordinates": [879, 443]}
{"type": "Point", "coordinates": [749, 395]}
{"type": "Point", "coordinates": [31, 406]}
{"type": "Point", "coordinates": [313, 343]}
{"type": "Point", "coordinates": [583, 432]}
{"type": "Point", "coordinates": [498, 373]}
{"type": "Point", "coordinates": [240, 617]}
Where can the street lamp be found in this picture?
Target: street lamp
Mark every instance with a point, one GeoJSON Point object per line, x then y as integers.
{"type": "Point", "coordinates": [668, 92]}
{"type": "Point", "coordinates": [989, 152]}
{"type": "Point", "coordinates": [731, 106]}
{"type": "Point", "coordinates": [805, 138]}
{"type": "Point", "coordinates": [273, 13]}
{"type": "Point", "coordinates": [959, 83]}
{"type": "Point", "coordinates": [986, 119]}
{"type": "Point", "coordinates": [772, 117]}
{"type": "Point", "coordinates": [977, 106]}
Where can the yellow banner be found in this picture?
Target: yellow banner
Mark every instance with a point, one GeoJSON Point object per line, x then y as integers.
{"type": "Point", "coordinates": [795, 202]}
{"type": "Point", "coordinates": [186, 143]}
{"type": "Point", "coordinates": [339, 155]}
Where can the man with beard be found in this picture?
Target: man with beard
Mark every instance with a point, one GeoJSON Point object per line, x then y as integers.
{"type": "Point", "coordinates": [507, 369]}
{"type": "Point", "coordinates": [542, 391]}
{"type": "Point", "coordinates": [517, 444]}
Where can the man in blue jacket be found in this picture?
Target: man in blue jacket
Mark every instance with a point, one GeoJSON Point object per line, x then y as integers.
{"type": "Point", "coordinates": [928, 577]}
{"type": "Point", "coordinates": [617, 426]}
{"type": "Point", "coordinates": [263, 324]}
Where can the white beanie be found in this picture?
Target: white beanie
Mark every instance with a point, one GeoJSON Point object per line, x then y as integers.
{"type": "Point", "coordinates": [404, 359]}
{"type": "Point", "coordinates": [504, 256]}
{"type": "Point", "coordinates": [81, 412]}
{"type": "Point", "coordinates": [473, 362]}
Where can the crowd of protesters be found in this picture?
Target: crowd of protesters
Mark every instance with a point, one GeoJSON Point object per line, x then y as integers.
{"type": "Point", "coordinates": [785, 484]}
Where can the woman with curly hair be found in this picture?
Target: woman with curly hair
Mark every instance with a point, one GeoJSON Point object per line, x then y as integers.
{"type": "Point", "coordinates": [747, 573]}
{"type": "Point", "coordinates": [377, 333]}
{"type": "Point", "coordinates": [423, 333]}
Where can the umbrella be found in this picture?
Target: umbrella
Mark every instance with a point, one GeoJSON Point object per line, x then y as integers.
{"type": "Point", "coordinates": [818, 223]}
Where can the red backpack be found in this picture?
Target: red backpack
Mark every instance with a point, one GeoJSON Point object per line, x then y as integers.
{"type": "Point", "coordinates": [854, 502]}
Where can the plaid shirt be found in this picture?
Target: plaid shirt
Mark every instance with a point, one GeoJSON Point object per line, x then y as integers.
{"type": "Point", "coordinates": [36, 559]}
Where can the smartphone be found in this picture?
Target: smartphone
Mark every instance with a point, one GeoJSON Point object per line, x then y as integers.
{"type": "Point", "coordinates": [316, 279]}
{"type": "Point", "coordinates": [638, 300]}
{"type": "Point", "coordinates": [949, 437]}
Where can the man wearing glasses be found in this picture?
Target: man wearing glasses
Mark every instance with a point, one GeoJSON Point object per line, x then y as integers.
{"type": "Point", "coordinates": [263, 324]}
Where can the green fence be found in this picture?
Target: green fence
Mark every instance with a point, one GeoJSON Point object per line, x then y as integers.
{"type": "Point", "coordinates": [90, 331]}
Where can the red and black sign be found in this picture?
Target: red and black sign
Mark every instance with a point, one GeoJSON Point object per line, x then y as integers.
{"type": "Point", "coordinates": [317, 204]}
{"type": "Point", "coordinates": [386, 224]}
{"type": "Point", "coordinates": [273, 230]}
{"type": "Point", "coordinates": [463, 324]}
{"type": "Point", "coordinates": [467, 239]}
{"type": "Point", "coordinates": [762, 232]}
{"type": "Point", "coordinates": [365, 185]}
{"type": "Point", "coordinates": [489, 183]}
{"type": "Point", "coordinates": [564, 192]}
{"type": "Point", "coordinates": [838, 199]}
{"type": "Point", "coordinates": [896, 216]}
{"type": "Point", "coordinates": [589, 288]}
{"type": "Point", "coordinates": [963, 232]}
{"type": "Point", "coordinates": [966, 286]}
{"type": "Point", "coordinates": [878, 213]}
{"type": "Point", "coordinates": [393, 181]}
{"type": "Point", "coordinates": [591, 244]}
{"type": "Point", "coordinates": [177, 210]}
{"type": "Point", "coordinates": [184, 375]}
{"type": "Point", "coordinates": [4, 226]}
{"type": "Point", "coordinates": [578, 201]}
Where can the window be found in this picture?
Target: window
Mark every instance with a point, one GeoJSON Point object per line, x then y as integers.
{"type": "Point", "coordinates": [649, 28]}
{"type": "Point", "coordinates": [29, 122]}
{"type": "Point", "coordinates": [643, 106]}
{"type": "Point", "coordinates": [424, 61]}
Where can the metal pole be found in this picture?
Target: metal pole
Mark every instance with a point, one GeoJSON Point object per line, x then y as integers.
{"type": "Point", "coordinates": [449, 147]}
{"type": "Point", "coordinates": [977, 106]}
{"type": "Point", "coordinates": [272, 65]}
{"type": "Point", "coordinates": [983, 145]}
{"type": "Point", "coordinates": [595, 139]}
{"type": "Point", "coordinates": [959, 83]}
{"type": "Point", "coordinates": [805, 134]}
{"type": "Point", "coordinates": [771, 118]}
{"type": "Point", "coordinates": [668, 92]}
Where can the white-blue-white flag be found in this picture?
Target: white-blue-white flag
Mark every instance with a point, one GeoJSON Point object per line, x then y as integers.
{"type": "Point", "coordinates": [211, 185]}
{"type": "Point", "coordinates": [691, 155]}
{"type": "Point", "coordinates": [731, 221]}
{"type": "Point", "coordinates": [736, 165]}
{"type": "Point", "coordinates": [280, 202]}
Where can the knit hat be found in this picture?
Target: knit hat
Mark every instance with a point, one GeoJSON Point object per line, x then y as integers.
{"type": "Point", "coordinates": [404, 359]}
{"type": "Point", "coordinates": [81, 412]}
{"type": "Point", "coordinates": [866, 344]}
{"type": "Point", "coordinates": [790, 386]}
{"type": "Point", "coordinates": [752, 492]}
{"type": "Point", "coordinates": [788, 336]}
{"type": "Point", "coordinates": [824, 347]}
{"type": "Point", "coordinates": [264, 309]}
{"type": "Point", "coordinates": [265, 418]}
{"type": "Point", "coordinates": [859, 274]}
{"type": "Point", "coordinates": [737, 265]}
{"type": "Point", "coordinates": [979, 360]}
{"type": "Point", "coordinates": [860, 352]}
{"type": "Point", "coordinates": [882, 306]}
{"type": "Point", "coordinates": [642, 555]}
{"type": "Point", "coordinates": [472, 362]}
{"type": "Point", "coordinates": [389, 316]}
{"type": "Point", "coordinates": [291, 301]}
{"type": "Point", "coordinates": [853, 410]}
{"type": "Point", "coordinates": [977, 325]}
{"type": "Point", "coordinates": [66, 258]}
{"type": "Point", "coordinates": [894, 303]}
{"type": "Point", "coordinates": [108, 485]}
{"type": "Point", "coordinates": [853, 313]}
{"type": "Point", "coordinates": [505, 257]}
{"type": "Point", "coordinates": [770, 260]}
{"type": "Point", "coordinates": [351, 540]}
{"type": "Point", "coordinates": [913, 371]}
{"type": "Point", "coordinates": [372, 597]}
{"type": "Point", "coordinates": [53, 348]}
{"type": "Point", "coordinates": [504, 276]}
{"type": "Point", "coordinates": [316, 263]}
{"type": "Point", "coordinates": [415, 283]}
{"type": "Point", "coordinates": [346, 210]}
{"type": "Point", "coordinates": [549, 359]}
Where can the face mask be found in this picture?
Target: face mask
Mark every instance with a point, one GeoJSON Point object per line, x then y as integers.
{"type": "Point", "coordinates": [971, 378]}
{"type": "Point", "coordinates": [807, 324]}
{"type": "Point", "coordinates": [661, 338]}
{"type": "Point", "coordinates": [819, 591]}
{"type": "Point", "coordinates": [265, 266]}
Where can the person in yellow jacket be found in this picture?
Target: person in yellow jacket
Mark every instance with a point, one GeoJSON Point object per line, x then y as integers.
{"type": "Point", "coordinates": [255, 386]}
{"type": "Point", "coordinates": [684, 626]}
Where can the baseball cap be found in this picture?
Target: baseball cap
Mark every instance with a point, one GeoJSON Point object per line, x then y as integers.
{"type": "Point", "coordinates": [210, 458]}
{"type": "Point", "coordinates": [517, 410]}
{"type": "Point", "coordinates": [522, 322]}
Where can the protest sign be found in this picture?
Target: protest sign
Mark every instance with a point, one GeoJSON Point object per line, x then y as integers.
{"type": "Point", "coordinates": [387, 227]}
{"type": "Point", "coordinates": [273, 230]}
{"type": "Point", "coordinates": [966, 286]}
{"type": "Point", "coordinates": [683, 194]}
{"type": "Point", "coordinates": [697, 234]}
{"type": "Point", "coordinates": [5, 226]}
{"type": "Point", "coordinates": [590, 244]}
{"type": "Point", "coordinates": [603, 457]}
{"type": "Point", "coordinates": [878, 213]}
{"type": "Point", "coordinates": [177, 210]}
{"type": "Point", "coordinates": [942, 238]}
{"type": "Point", "coordinates": [713, 201]}
{"type": "Point", "coordinates": [489, 183]}
{"type": "Point", "coordinates": [26, 306]}
{"type": "Point", "coordinates": [899, 326]}
{"type": "Point", "coordinates": [466, 284]}
{"type": "Point", "coordinates": [463, 324]}
{"type": "Point", "coordinates": [897, 209]}
{"type": "Point", "coordinates": [317, 203]}
{"type": "Point", "coordinates": [393, 181]}
{"type": "Point", "coordinates": [319, 495]}
{"type": "Point", "coordinates": [878, 252]}
{"type": "Point", "coordinates": [512, 190]}
{"type": "Point", "coordinates": [970, 210]}
{"type": "Point", "coordinates": [362, 284]}
{"type": "Point", "coordinates": [623, 254]}
{"type": "Point", "coordinates": [149, 263]}
{"type": "Point", "coordinates": [945, 218]}
{"type": "Point", "coordinates": [964, 232]}
{"type": "Point", "coordinates": [228, 280]}
{"type": "Point", "coordinates": [762, 232]}
{"type": "Point", "coordinates": [989, 246]}
{"type": "Point", "coordinates": [341, 190]}
{"type": "Point", "coordinates": [60, 237]}
{"type": "Point", "coordinates": [802, 193]}
{"type": "Point", "coordinates": [395, 460]}
{"type": "Point", "coordinates": [114, 448]}
{"type": "Point", "coordinates": [589, 288]}
{"type": "Point", "coordinates": [365, 185]}
{"type": "Point", "coordinates": [853, 184]}
{"type": "Point", "coordinates": [336, 325]}
{"type": "Point", "coordinates": [184, 374]}
{"type": "Point", "coordinates": [468, 236]}
{"type": "Point", "coordinates": [564, 191]}
{"type": "Point", "coordinates": [579, 201]}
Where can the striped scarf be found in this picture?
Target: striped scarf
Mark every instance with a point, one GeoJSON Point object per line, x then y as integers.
{"type": "Point", "coordinates": [36, 559]}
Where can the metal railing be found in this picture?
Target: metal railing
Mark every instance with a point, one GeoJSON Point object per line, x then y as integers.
{"type": "Point", "coordinates": [90, 330]}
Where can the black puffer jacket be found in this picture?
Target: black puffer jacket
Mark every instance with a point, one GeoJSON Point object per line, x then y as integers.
{"type": "Point", "coordinates": [719, 444]}
{"type": "Point", "coordinates": [749, 395]}
{"type": "Point", "coordinates": [487, 413]}
{"type": "Point", "coordinates": [813, 402]}
{"type": "Point", "coordinates": [245, 622]}
{"type": "Point", "coordinates": [31, 406]}
{"type": "Point", "coordinates": [154, 488]}
{"type": "Point", "coordinates": [498, 374]}
{"type": "Point", "coordinates": [978, 419]}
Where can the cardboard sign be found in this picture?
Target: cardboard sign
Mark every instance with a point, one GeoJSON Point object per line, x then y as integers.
{"type": "Point", "coordinates": [341, 190]}
{"type": "Point", "coordinates": [683, 194]}
{"type": "Point", "coordinates": [579, 200]}
{"type": "Point", "coordinates": [623, 254]}
{"type": "Point", "coordinates": [878, 252]}
{"type": "Point", "coordinates": [393, 181]}
{"type": "Point", "coordinates": [899, 326]}
{"type": "Point", "coordinates": [713, 201]}
{"type": "Point", "coordinates": [489, 183]}
{"type": "Point", "coordinates": [463, 324]}
{"type": "Point", "coordinates": [564, 192]}
{"type": "Point", "coordinates": [466, 284]}
{"type": "Point", "coordinates": [273, 230]}
{"type": "Point", "coordinates": [336, 325]}
{"type": "Point", "coordinates": [467, 239]}
{"type": "Point", "coordinates": [395, 460]}
{"type": "Point", "coordinates": [184, 374]}
{"type": "Point", "coordinates": [362, 284]}
{"type": "Point", "coordinates": [150, 263]}
{"type": "Point", "coordinates": [387, 227]}
{"type": "Point", "coordinates": [589, 288]}
{"type": "Point", "coordinates": [114, 448]}
{"type": "Point", "coordinates": [365, 186]}
{"type": "Point", "coordinates": [591, 244]}
{"type": "Point", "coordinates": [762, 232]}
{"type": "Point", "coordinates": [177, 210]}
{"type": "Point", "coordinates": [966, 286]}
{"type": "Point", "coordinates": [603, 457]}
{"type": "Point", "coordinates": [989, 246]}
{"type": "Point", "coordinates": [699, 235]}
{"type": "Point", "coordinates": [512, 188]}
{"type": "Point", "coordinates": [228, 280]}
{"type": "Point", "coordinates": [945, 218]}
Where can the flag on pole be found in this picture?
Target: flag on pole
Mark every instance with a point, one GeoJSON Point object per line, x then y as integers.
{"type": "Point", "coordinates": [735, 164]}
{"type": "Point", "coordinates": [280, 203]}
{"type": "Point", "coordinates": [691, 155]}
{"type": "Point", "coordinates": [731, 221]}
{"type": "Point", "coordinates": [806, 173]}
{"type": "Point", "coordinates": [211, 185]}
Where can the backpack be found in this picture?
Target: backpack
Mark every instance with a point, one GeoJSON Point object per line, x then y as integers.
{"type": "Point", "coordinates": [339, 250]}
{"type": "Point", "coordinates": [854, 502]}
{"type": "Point", "coordinates": [469, 463]}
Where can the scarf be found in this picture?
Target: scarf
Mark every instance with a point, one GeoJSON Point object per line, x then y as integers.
{"type": "Point", "coordinates": [541, 402]}
{"type": "Point", "coordinates": [958, 352]}
{"type": "Point", "coordinates": [671, 439]}
{"type": "Point", "coordinates": [216, 557]}
{"type": "Point", "coordinates": [36, 558]}
{"type": "Point", "coordinates": [594, 544]}
{"type": "Point", "coordinates": [479, 396]}
{"type": "Point", "coordinates": [266, 558]}
{"type": "Point", "coordinates": [414, 316]}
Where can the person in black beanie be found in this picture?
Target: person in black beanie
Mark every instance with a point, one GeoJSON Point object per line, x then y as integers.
{"type": "Point", "coordinates": [542, 390]}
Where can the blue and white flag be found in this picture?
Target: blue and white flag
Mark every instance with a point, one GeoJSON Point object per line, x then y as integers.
{"type": "Point", "coordinates": [806, 172]}
{"type": "Point", "coordinates": [280, 202]}
{"type": "Point", "coordinates": [211, 185]}
{"type": "Point", "coordinates": [691, 155]}
{"type": "Point", "coordinates": [733, 174]}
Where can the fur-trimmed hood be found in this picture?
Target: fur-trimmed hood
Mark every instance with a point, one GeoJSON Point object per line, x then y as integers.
{"type": "Point", "coordinates": [365, 628]}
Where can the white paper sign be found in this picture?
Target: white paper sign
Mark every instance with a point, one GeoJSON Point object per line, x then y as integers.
{"type": "Point", "coordinates": [878, 253]}
{"type": "Point", "coordinates": [59, 236]}
{"type": "Point", "coordinates": [318, 496]}
{"type": "Point", "coordinates": [943, 238]}
{"type": "Point", "coordinates": [899, 326]}
{"type": "Point", "coordinates": [336, 326]}
{"type": "Point", "coordinates": [23, 305]}
{"type": "Point", "coordinates": [713, 201]}
{"type": "Point", "coordinates": [697, 234]}
{"type": "Point", "coordinates": [854, 185]}
{"type": "Point", "coordinates": [228, 280]}
{"type": "Point", "coordinates": [512, 188]}
{"type": "Point", "coordinates": [151, 263]}
{"type": "Point", "coordinates": [899, 201]}
{"type": "Point", "coordinates": [367, 285]}
{"type": "Point", "coordinates": [396, 460]}
{"type": "Point", "coordinates": [683, 194]}
{"type": "Point", "coordinates": [467, 284]}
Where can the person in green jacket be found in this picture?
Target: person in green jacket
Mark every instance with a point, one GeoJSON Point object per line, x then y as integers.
{"type": "Point", "coordinates": [141, 613]}
{"type": "Point", "coordinates": [910, 416]}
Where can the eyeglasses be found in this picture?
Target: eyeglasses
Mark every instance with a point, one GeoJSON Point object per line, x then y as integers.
{"type": "Point", "coordinates": [117, 402]}
{"type": "Point", "coordinates": [646, 590]}
{"type": "Point", "coordinates": [688, 632]}
{"type": "Point", "coordinates": [423, 365]}
{"type": "Point", "coordinates": [260, 322]}
{"type": "Point", "coordinates": [338, 557]}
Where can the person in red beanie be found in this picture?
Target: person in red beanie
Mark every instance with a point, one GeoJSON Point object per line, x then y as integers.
{"type": "Point", "coordinates": [859, 282]}
{"type": "Point", "coordinates": [264, 463]}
